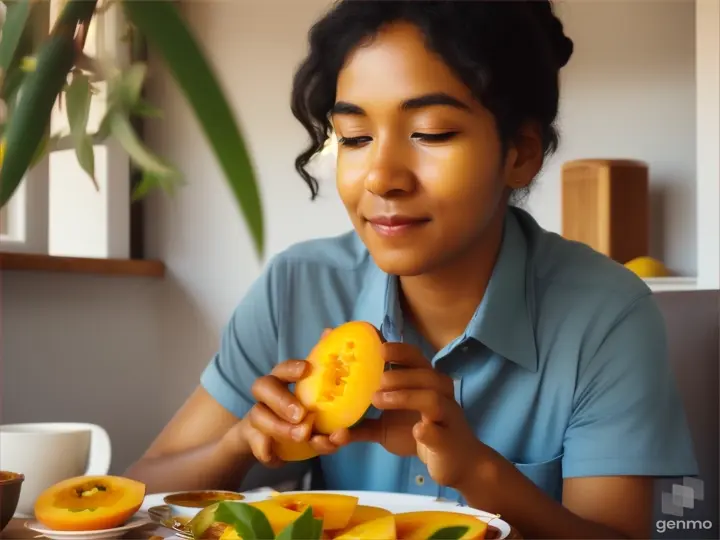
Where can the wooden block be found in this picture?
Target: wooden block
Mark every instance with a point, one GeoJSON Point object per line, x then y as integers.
{"type": "Point", "coordinates": [606, 205]}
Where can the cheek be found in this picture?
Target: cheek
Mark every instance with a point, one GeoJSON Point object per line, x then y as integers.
{"type": "Point", "coordinates": [460, 175]}
{"type": "Point", "coordinates": [349, 181]}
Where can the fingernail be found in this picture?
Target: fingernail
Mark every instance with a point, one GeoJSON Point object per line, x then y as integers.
{"type": "Point", "coordinates": [295, 413]}
{"type": "Point", "coordinates": [298, 433]}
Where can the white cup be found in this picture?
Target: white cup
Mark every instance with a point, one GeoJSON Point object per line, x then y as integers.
{"type": "Point", "coordinates": [47, 453]}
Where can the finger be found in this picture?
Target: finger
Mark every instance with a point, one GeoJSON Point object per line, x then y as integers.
{"type": "Point", "coordinates": [369, 430]}
{"type": "Point", "coordinates": [432, 406]}
{"type": "Point", "coordinates": [290, 371]}
{"type": "Point", "coordinates": [412, 378]}
{"type": "Point", "coordinates": [322, 444]}
{"type": "Point", "coordinates": [275, 394]}
{"type": "Point", "coordinates": [267, 422]}
{"type": "Point", "coordinates": [325, 332]}
{"type": "Point", "coordinates": [261, 446]}
{"type": "Point", "coordinates": [404, 354]}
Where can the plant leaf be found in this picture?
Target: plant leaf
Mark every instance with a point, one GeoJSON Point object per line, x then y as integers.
{"type": "Point", "coordinates": [306, 527]}
{"type": "Point", "coordinates": [122, 130]}
{"type": "Point", "coordinates": [249, 522]}
{"type": "Point", "coordinates": [18, 14]}
{"type": "Point", "coordinates": [162, 26]}
{"type": "Point", "coordinates": [450, 533]}
{"type": "Point", "coordinates": [77, 103]}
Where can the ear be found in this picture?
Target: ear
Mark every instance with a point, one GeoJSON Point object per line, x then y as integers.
{"type": "Point", "coordinates": [524, 158]}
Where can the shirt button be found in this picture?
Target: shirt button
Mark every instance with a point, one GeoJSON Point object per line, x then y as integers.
{"type": "Point", "coordinates": [464, 348]}
{"type": "Point", "coordinates": [419, 480]}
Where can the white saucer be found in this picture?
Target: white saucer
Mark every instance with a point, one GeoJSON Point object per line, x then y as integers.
{"type": "Point", "coordinates": [104, 534]}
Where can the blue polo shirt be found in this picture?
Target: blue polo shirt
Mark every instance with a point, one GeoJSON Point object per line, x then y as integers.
{"type": "Point", "coordinates": [563, 368]}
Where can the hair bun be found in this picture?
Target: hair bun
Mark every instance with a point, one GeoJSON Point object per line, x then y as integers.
{"type": "Point", "coordinates": [561, 45]}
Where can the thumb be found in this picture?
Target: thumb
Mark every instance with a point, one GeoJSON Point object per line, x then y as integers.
{"type": "Point", "coordinates": [369, 430]}
{"type": "Point", "coordinates": [432, 436]}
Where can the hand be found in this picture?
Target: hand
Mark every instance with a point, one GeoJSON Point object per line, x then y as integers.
{"type": "Point", "coordinates": [279, 415]}
{"type": "Point", "coordinates": [420, 416]}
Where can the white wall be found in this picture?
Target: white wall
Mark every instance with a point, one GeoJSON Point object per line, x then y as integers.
{"type": "Point", "coordinates": [629, 92]}
{"type": "Point", "coordinates": [154, 337]}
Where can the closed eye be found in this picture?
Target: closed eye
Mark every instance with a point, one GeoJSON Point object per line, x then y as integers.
{"type": "Point", "coordinates": [353, 141]}
{"type": "Point", "coordinates": [435, 137]}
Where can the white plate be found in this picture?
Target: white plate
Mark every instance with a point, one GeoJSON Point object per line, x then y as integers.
{"type": "Point", "coordinates": [394, 502]}
{"type": "Point", "coordinates": [105, 534]}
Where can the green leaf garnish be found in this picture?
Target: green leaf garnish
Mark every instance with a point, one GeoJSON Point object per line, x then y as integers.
{"type": "Point", "coordinates": [449, 533]}
{"type": "Point", "coordinates": [249, 522]}
{"type": "Point", "coordinates": [306, 527]}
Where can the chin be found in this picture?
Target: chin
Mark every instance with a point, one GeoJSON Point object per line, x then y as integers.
{"type": "Point", "coordinates": [400, 262]}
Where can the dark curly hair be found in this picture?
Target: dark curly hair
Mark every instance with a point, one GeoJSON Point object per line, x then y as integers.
{"type": "Point", "coordinates": [508, 53]}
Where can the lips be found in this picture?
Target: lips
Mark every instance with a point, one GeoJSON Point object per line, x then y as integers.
{"type": "Point", "coordinates": [396, 225]}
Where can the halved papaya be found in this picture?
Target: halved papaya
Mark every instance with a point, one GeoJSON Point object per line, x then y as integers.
{"type": "Point", "coordinates": [89, 503]}
{"type": "Point", "coordinates": [381, 528]}
{"type": "Point", "coordinates": [346, 369]}
{"type": "Point", "coordinates": [422, 525]}
{"type": "Point", "coordinates": [334, 509]}
{"type": "Point", "coordinates": [362, 514]}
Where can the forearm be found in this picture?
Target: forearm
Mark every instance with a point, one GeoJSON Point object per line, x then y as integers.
{"type": "Point", "coordinates": [500, 488]}
{"type": "Point", "coordinates": [215, 465]}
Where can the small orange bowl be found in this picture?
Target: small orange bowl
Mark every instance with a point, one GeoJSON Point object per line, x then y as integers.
{"type": "Point", "coordinates": [10, 486]}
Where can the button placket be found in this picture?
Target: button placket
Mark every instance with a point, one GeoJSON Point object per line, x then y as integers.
{"type": "Point", "coordinates": [420, 481]}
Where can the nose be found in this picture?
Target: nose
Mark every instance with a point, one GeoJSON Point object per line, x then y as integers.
{"type": "Point", "coordinates": [388, 175]}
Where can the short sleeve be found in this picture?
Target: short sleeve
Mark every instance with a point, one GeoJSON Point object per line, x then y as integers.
{"type": "Point", "coordinates": [248, 345]}
{"type": "Point", "coordinates": [628, 418]}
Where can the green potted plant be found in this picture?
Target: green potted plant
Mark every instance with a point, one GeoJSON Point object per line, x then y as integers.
{"type": "Point", "coordinates": [35, 74]}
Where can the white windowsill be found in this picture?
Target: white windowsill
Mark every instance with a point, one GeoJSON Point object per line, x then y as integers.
{"type": "Point", "coordinates": [672, 283]}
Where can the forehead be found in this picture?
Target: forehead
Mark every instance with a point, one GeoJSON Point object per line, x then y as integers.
{"type": "Point", "coordinates": [394, 65]}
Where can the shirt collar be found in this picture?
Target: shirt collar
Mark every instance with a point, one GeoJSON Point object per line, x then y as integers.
{"type": "Point", "coordinates": [502, 322]}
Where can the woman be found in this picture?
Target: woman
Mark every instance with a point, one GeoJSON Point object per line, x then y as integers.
{"type": "Point", "coordinates": [537, 383]}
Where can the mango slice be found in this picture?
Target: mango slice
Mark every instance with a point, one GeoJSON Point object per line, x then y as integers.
{"type": "Point", "coordinates": [334, 509]}
{"type": "Point", "coordinates": [362, 514]}
{"type": "Point", "coordinates": [422, 525]}
{"type": "Point", "coordinates": [89, 503]}
{"type": "Point", "coordinates": [375, 529]}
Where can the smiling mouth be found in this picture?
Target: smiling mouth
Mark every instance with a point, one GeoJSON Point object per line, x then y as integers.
{"type": "Point", "coordinates": [391, 226]}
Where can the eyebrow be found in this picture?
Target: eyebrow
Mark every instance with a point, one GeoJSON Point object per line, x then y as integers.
{"type": "Point", "coordinates": [420, 102]}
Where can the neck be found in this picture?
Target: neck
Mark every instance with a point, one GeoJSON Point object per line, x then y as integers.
{"type": "Point", "coordinates": [441, 303]}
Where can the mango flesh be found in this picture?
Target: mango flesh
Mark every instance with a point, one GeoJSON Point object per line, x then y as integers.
{"type": "Point", "coordinates": [362, 514]}
{"type": "Point", "coordinates": [334, 509]}
{"type": "Point", "coordinates": [89, 503]}
{"type": "Point", "coordinates": [422, 525]}
{"type": "Point", "coordinates": [346, 370]}
{"type": "Point", "coordinates": [381, 528]}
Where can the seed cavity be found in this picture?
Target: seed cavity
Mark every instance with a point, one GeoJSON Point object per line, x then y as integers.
{"type": "Point", "coordinates": [337, 369]}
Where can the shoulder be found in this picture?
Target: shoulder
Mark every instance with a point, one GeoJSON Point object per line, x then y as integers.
{"type": "Point", "coordinates": [576, 290]}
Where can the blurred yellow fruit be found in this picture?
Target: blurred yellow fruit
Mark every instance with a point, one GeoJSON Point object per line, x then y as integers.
{"type": "Point", "coordinates": [647, 267]}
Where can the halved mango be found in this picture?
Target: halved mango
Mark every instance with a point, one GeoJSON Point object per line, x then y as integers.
{"type": "Point", "coordinates": [334, 509]}
{"type": "Point", "coordinates": [346, 369]}
{"type": "Point", "coordinates": [422, 525]}
{"type": "Point", "coordinates": [376, 529]}
{"type": "Point", "coordinates": [293, 451]}
{"type": "Point", "coordinates": [362, 514]}
{"type": "Point", "coordinates": [89, 503]}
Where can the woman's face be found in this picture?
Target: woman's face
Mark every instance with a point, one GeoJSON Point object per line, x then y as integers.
{"type": "Point", "coordinates": [419, 164]}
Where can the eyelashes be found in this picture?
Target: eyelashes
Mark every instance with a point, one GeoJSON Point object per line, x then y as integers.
{"type": "Point", "coordinates": [353, 142]}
